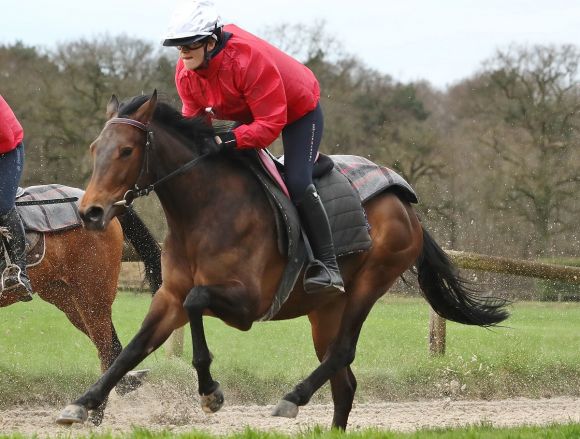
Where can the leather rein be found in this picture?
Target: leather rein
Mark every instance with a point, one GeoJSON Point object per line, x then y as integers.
{"type": "Point", "coordinates": [136, 191]}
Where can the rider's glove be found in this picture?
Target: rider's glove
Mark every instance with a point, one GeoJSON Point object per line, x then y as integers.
{"type": "Point", "coordinates": [226, 141]}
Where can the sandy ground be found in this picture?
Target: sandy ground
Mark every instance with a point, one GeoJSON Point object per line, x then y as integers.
{"type": "Point", "coordinates": [157, 409]}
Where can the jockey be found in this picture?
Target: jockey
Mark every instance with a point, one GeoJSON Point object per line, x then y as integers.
{"type": "Point", "coordinates": [11, 164]}
{"type": "Point", "coordinates": [230, 74]}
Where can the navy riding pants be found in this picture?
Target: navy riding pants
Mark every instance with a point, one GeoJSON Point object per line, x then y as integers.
{"type": "Point", "coordinates": [301, 141]}
{"type": "Point", "coordinates": [11, 165]}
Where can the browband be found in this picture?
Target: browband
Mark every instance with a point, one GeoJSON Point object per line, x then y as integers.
{"type": "Point", "coordinates": [126, 121]}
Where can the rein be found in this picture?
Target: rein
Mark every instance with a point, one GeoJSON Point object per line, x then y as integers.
{"type": "Point", "coordinates": [137, 192]}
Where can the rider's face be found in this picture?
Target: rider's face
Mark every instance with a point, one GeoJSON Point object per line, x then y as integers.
{"type": "Point", "coordinates": [193, 54]}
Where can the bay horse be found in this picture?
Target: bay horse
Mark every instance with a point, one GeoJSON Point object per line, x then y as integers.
{"type": "Point", "coordinates": [220, 256]}
{"type": "Point", "coordinates": [79, 275]}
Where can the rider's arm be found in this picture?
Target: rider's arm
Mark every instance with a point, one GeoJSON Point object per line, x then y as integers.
{"type": "Point", "coordinates": [262, 87]}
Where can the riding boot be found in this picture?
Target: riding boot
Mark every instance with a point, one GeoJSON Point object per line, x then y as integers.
{"type": "Point", "coordinates": [322, 275]}
{"type": "Point", "coordinates": [15, 279]}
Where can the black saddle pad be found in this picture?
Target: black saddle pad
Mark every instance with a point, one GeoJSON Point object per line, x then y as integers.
{"type": "Point", "coordinates": [344, 183]}
{"type": "Point", "coordinates": [346, 217]}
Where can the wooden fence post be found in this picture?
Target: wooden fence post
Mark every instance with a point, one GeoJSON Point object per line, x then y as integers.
{"type": "Point", "coordinates": [437, 330]}
{"type": "Point", "coordinates": [174, 344]}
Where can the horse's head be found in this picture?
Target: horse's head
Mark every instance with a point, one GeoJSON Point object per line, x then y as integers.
{"type": "Point", "coordinates": [117, 154]}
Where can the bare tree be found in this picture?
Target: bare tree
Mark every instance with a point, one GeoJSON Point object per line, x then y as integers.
{"type": "Point", "coordinates": [306, 42]}
{"type": "Point", "coordinates": [525, 108]}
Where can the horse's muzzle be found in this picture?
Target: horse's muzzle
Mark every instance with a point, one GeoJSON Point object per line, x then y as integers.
{"type": "Point", "coordinates": [93, 217]}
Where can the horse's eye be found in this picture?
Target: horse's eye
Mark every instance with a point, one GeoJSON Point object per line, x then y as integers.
{"type": "Point", "coordinates": [126, 151]}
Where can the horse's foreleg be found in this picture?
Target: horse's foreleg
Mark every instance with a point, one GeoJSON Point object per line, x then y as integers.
{"type": "Point", "coordinates": [222, 302]}
{"type": "Point", "coordinates": [164, 316]}
{"type": "Point", "coordinates": [212, 397]}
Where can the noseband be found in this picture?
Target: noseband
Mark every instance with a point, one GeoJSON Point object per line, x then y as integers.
{"type": "Point", "coordinates": [137, 192]}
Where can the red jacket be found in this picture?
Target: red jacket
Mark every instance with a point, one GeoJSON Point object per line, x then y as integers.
{"type": "Point", "coordinates": [11, 132]}
{"type": "Point", "coordinates": [252, 82]}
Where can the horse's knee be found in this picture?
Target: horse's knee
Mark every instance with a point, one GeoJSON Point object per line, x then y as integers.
{"type": "Point", "coordinates": [196, 300]}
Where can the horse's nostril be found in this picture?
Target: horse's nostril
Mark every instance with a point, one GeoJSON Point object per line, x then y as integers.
{"type": "Point", "coordinates": [93, 214]}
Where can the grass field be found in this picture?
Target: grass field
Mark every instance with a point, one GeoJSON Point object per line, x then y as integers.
{"type": "Point", "coordinates": [571, 431]}
{"type": "Point", "coordinates": [44, 358]}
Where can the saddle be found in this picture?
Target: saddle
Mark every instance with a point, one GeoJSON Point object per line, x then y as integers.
{"type": "Point", "coordinates": [343, 182]}
{"type": "Point", "coordinates": [44, 209]}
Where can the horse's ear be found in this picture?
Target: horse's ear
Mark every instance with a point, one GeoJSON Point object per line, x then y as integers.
{"type": "Point", "coordinates": [112, 107]}
{"type": "Point", "coordinates": [145, 112]}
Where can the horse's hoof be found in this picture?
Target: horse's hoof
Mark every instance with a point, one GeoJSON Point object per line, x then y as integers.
{"type": "Point", "coordinates": [131, 381]}
{"type": "Point", "coordinates": [285, 409]}
{"type": "Point", "coordinates": [72, 414]}
{"type": "Point", "coordinates": [213, 402]}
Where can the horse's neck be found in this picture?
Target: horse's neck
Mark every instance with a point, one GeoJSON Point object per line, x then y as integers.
{"type": "Point", "coordinates": [188, 195]}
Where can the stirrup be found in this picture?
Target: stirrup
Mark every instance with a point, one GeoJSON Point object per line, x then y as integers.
{"type": "Point", "coordinates": [15, 284]}
{"type": "Point", "coordinates": [334, 284]}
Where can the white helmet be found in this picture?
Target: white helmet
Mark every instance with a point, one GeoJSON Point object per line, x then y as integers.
{"type": "Point", "coordinates": [192, 21]}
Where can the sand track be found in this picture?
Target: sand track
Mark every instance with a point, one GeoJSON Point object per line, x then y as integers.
{"type": "Point", "coordinates": [158, 409]}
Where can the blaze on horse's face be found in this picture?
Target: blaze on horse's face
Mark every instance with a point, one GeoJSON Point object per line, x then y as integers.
{"type": "Point", "coordinates": [117, 159]}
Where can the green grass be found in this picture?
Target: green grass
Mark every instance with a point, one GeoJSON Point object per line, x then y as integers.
{"type": "Point", "coordinates": [570, 431]}
{"type": "Point", "coordinates": [44, 358]}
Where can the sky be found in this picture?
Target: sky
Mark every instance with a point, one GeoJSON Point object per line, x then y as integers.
{"type": "Point", "coordinates": [441, 41]}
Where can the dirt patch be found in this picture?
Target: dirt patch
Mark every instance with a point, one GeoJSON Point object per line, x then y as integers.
{"type": "Point", "coordinates": [164, 409]}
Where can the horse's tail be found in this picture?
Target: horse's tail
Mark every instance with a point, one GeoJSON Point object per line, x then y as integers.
{"type": "Point", "coordinates": [145, 245]}
{"type": "Point", "coordinates": [449, 295]}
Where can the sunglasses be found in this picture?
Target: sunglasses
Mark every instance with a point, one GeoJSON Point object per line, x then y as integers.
{"type": "Point", "coordinates": [190, 47]}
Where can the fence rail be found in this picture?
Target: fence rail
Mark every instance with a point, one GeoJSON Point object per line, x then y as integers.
{"type": "Point", "coordinates": [496, 264]}
{"type": "Point", "coordinates": [464, 260]}
{"type": "Point", "coordinates": [518, 267]}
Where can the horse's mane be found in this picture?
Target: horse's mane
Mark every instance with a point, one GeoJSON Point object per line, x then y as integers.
{"type": "Point", "coordinates": [195, 129]}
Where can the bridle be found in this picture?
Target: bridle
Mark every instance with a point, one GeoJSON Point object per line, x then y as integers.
{"type": "Point", "coordinates": [136, 191]}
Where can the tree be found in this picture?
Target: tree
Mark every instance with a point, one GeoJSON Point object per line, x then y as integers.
{"type": "Point", "coordinates": [526, 104]}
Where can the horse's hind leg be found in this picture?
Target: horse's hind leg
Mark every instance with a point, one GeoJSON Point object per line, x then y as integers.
{"type": "Point", "coordinates": [338, 357]}
{"type": "Point", "coordinates": [335, 336]}
{"type": "Point", "coordinates": [397, 239]}
{"type": "Point", "coordinates": [325, 324]}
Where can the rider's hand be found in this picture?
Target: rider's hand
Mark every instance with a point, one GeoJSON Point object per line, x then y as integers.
{"type": "Point", "coordinates": [226, 141]}
{"type": "Point", "coordinates": [221, 142]}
